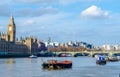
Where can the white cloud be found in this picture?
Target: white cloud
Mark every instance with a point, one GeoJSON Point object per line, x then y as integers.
{"type": "Point", "coordinates": [1, 27]}
{"type": "Point", "coordinates": [36, 1]}
{"type": "Point", "coordinates": [27, 12]}
{"type": "Point", "coordinates": [36, 12]}
{"type": "Point", "coordinates": [46, 10]}
{"type": "Point", "coordinates": [40, 24]}
{"type": "Point", "coordinates": [63, 2]}
{"type": "Point", "coordinates": [42, 27]}
{"type": "Point", "coordinates": [94, 12]}
{"type": "Point", "coordinates": [67, 2]}
{"type": "Point", "coordinates": [29, 22]}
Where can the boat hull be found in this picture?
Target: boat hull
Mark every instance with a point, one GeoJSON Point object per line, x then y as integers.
{"type": "Point", "coordinates": [101, 62]}
{"type": "Point", "coordinates": [113, 59]}
{"type": "Point", "coordinates": [58, 65]}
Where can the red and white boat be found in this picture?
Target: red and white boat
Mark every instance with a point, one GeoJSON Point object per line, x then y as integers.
{"type": "Point", "coordinates": [54, 64]}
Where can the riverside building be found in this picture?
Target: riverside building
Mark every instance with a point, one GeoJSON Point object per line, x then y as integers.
{"type": "Point", "coordinates": [9, 44]}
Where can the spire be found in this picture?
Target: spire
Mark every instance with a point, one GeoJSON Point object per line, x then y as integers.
{"type": "Point", "coordinates": [11, 19]}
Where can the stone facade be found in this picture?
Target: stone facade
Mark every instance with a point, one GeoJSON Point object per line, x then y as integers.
{"type": "Point", "coordinates": [10, 45]}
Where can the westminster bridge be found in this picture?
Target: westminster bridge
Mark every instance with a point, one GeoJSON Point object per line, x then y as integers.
{"type": "Point", "coordinates": [88, 53]}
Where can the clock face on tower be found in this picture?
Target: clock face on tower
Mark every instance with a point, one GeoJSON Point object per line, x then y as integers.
{"type": "Point", "coordinates": [10, 28]}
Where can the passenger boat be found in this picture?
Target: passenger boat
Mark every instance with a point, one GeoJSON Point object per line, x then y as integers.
{"type": "Point", "coordinates": [54, 64]}
{"type": "Point", "coordinates": [112, 59]}
{"type": "Point", "coordinates": [100, 60]}
{"type": "Point", "coordinates": [33, 56]}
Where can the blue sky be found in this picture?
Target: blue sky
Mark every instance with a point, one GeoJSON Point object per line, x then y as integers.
{"type": "Point", "coordinates": [92, 21]}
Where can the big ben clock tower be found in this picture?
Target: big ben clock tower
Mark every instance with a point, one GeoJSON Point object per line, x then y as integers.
{"type": "Point", "coordinates": [11, 30]}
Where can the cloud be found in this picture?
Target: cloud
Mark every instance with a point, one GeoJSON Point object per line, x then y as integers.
{"type": "Point", "coordinates": [47, 10]}
{"type": "Point", "coordinates": [36, 1]}
{"type": "Point", "coordinates": [46, 1]}
{"type": "Point", "coordinates": [1, 27]}
{"type": "Point", "coordinates": [63, 2]}
{"type": "Point", "coordinates": [27, 12]}
{"type": "Point", "coordinates": [29, 22]}
{"type": "Point", "coordinates": [67, 2]}
{"type": "Point", "coordinates": [41, 24]}
{"type": "Point", "coordinates": [94, 12]}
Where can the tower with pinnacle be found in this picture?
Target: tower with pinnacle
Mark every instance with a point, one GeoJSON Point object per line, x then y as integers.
{"type": "Point", "coordinates": [12, 30]}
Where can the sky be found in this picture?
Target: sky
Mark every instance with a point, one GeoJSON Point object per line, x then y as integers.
{"type": "Point", "coordinates": [92, 21]}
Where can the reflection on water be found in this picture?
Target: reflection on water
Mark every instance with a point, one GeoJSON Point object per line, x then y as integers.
{"type": "Point", "coordinates": [7, 61]}
{"type": "Point", "coordinates": [82, 67]}
{"type": "Point", "coordinates": [10, 61]}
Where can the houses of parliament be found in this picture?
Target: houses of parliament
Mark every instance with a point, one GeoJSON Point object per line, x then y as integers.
{"type": "Point", "coordinates": [9, 44]}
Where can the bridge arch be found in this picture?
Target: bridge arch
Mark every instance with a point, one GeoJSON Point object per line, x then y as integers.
{"type": "Point", "coordinates": [81, 54]}
{"type": "Point", "coordinates": [106, 54]}
{"type": "Point", "coordinates": [64, 55]}
{"type": "Point", "coordinates": [116, 54]}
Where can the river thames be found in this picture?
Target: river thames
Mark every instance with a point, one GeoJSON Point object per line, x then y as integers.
{"type": "Point", "coordinates": [82, 67]}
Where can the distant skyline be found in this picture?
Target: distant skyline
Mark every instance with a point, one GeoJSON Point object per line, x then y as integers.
{"type": "Point", "coordinates": [91, 21]}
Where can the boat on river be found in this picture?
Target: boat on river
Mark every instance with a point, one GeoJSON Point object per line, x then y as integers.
{"type": "Point", "coordinates": [33, 56]}
{"type": "Point", "coordinates": [101, 62]}
{"type": "Point", "coordinates": [55, 64]}
{"type": "Point", "coordinates": [112, 59]}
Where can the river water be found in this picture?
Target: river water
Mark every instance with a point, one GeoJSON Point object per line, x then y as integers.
{"type": "Point", "coordinates": [82, 67]}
